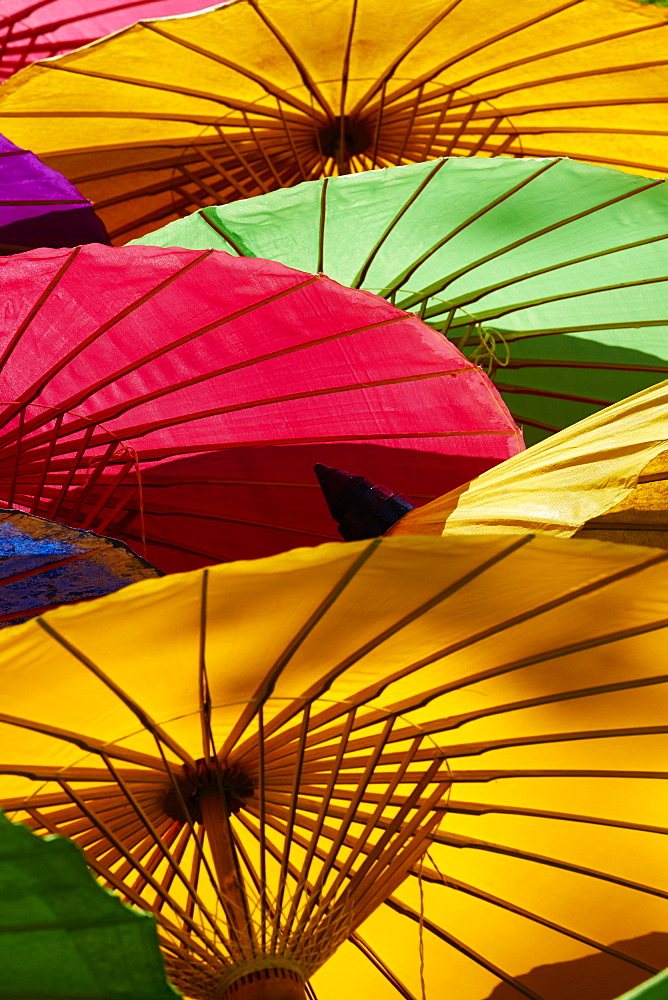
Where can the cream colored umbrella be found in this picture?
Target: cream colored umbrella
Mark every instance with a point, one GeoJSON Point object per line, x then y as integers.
{"type": "Point", "coordinates": [605, 477]}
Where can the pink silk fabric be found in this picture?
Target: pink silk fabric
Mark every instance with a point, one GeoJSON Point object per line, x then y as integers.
{"type": "Point", "coordinates": [37, 29]}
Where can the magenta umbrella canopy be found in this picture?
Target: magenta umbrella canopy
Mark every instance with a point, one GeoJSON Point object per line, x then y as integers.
{"type": "Point", "coordinates": [185, 396]}
{"type": "Point", "coordinates": [39, 207]}
{"type": "Point", "coordinates": [37, 29]}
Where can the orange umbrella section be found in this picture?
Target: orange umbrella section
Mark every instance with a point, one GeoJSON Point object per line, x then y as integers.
{"type": "Point", "coordinates": [174, 115]}
{"type": "Point", "coordinates": [464, 784]}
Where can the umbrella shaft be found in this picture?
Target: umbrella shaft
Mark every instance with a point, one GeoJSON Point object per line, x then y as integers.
{"type": "Point", "coordinates": [219, 835]}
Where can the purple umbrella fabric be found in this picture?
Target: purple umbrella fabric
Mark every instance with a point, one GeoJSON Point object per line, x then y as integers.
{"type": "Point", "coordinates": [39, 207]}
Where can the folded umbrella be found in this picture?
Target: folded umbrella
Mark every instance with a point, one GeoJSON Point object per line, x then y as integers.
{"type": "Point", "coordinates": [170, 116]}
{"type": "Point", "coordinates": [550, 273]}
{"type": "Point", "coordinates": [300, 789]}
{"type": "Point", "coordinates": [117, 361]}
{"type": "Point", "coordinates": [39, 207]}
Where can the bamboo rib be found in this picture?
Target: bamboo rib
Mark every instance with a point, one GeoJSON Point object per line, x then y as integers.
{"type": "Point", "coordinates": [156, 839]}
{"type": "Point", "coordinates": [318, 827]}
{"type": "Point", "coordinates": [133, 432]}
{"type": "Point", "coordinates": [375, 691]}
{"type": "Point", "coordinates": [9, 349]}
{"type": "Point", "coordinates": [195, 929]}
{"type": "Point", "coordinates": [436, 71]}
{"type": "Point", "coordinates": [481, 808]}
{"type": "Point", "coordinates": [487, 315]}
{"type": "Point", "coordinates": [401, 830]}
{"type": "Point", "coordinates": [495, 774]}
{"type": "Point", "coordinates": [451, 840]}
{"type": "Point", "coordinates": [317, 690]}
{"type": "Point", "coordinates": [306, 77]}
{"type": "Point", "coordinates": [266, 687]}
{"type": "Point", "coordinates": [177, 853]}
{"type": "Point", "coordinates": [440, 726]}
{"type": "Point", "coordinates": [461, 808]}
{"type": "Point", "coordinates": [381, 966]}
{"type": "Point", "coordinates": [541, 393]}
{"type": "Point", "coordinates": [38, 387]}
{"type": "Point", "coordinates": [267, 85]}
{"type": "Point", "coordinates": [290, 824]}
{"type": "Point", "coordinates": [471, 265]}
{"type": "Point", "coordinates": [471, 298]}
{"type": "Point", "coordinates": [436, 876]}
{"type": "Point", "coordinates": [395, 904]}
{"type": "Point", "coordinates": [113, 412]}
{"type": "Point", "coordinates": [143, 718]}
{"type": "Point", "coordinates": [189, 943]}
{"type": "Point", "coordinates": [315, 903]}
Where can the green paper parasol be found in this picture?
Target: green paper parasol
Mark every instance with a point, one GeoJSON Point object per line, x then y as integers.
{"type": "Point", "coordinates": [655, 989]}
{"type": "Point", "coordinates": [550, 273]}
{"type": "Point", "coordinates": [62, 936]}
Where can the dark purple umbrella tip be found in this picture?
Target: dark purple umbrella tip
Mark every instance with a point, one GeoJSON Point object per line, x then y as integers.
{"type": "Point", "coordinates": [361, 508]}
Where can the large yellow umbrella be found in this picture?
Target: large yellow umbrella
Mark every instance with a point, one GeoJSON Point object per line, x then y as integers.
{"type": "Point", "coordinates": [173, 115]}
{"type": "Point", "coordinates": [365, 764]}
{"type": "Point", "coordinates": [605, 477]}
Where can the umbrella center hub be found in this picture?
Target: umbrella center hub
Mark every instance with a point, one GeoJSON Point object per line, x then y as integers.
{"type": "Point", "coordinates": [229, 780]}
{"type": "Point", "coordinates": [269, 977]}
{"type": "Point", "coordinates": [343, 138]}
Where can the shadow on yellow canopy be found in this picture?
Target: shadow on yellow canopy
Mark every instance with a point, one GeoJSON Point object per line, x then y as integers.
{"type": "Point", "coordinates": [173, 115]}
{"type": "Point", "coordinates": [321, 765]}
{"type": "Point", "coordinates": [605, 477]}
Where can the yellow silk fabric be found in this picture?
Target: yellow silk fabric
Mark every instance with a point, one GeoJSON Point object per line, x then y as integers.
{"type": "Point", "coordinates": [535, 668]}
{"type": "Point", "coordinates": [606, 475]}
{"type": "Point", "coordinates": [171, 115]}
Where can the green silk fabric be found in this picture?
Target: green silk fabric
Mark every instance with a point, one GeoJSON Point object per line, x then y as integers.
{"type": "Point", "coordinates": [550, 273]}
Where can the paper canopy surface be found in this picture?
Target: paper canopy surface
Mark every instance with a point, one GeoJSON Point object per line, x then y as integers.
{"type": "Point", "coordinates": [62, 937]}
{"type": "Point", "coordinates": [168, 117]}
{"type": "Point", "coordinates": [119, 361]}
{"type": "Point", "coordinates": [513, 688]}
{"type": "Point", "coordinates": [30, 31]}
{"type": "Point", "coordinates": [605, 478]}
{"type": "Point", "coordinates": [44, 565]}
{"type": "Point", "coordinates": [550, 273]}
{"type": "Point", "coordinates": [39, 207]}
{"type": "Point", "coordinates": [655, 989]}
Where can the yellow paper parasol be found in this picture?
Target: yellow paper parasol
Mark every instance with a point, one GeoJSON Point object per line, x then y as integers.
{"type": "Point", "coordinates": [260, 752]}
{"type": "Point", "coordinates": [173, 115]}
{"type": "Point", "coordinates": [605, 477]}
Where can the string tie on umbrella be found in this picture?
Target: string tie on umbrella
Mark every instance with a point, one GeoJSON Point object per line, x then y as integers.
{"type": "Point", "coordinates": [486, 352]}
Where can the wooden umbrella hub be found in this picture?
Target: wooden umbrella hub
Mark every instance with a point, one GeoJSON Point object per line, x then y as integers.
{"type": "Point", "coordinates": [343, 138]}
{"type": "Point", "coordinates": [261, 980]}
{"type": "Point", "coordinates": [229, 781]}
